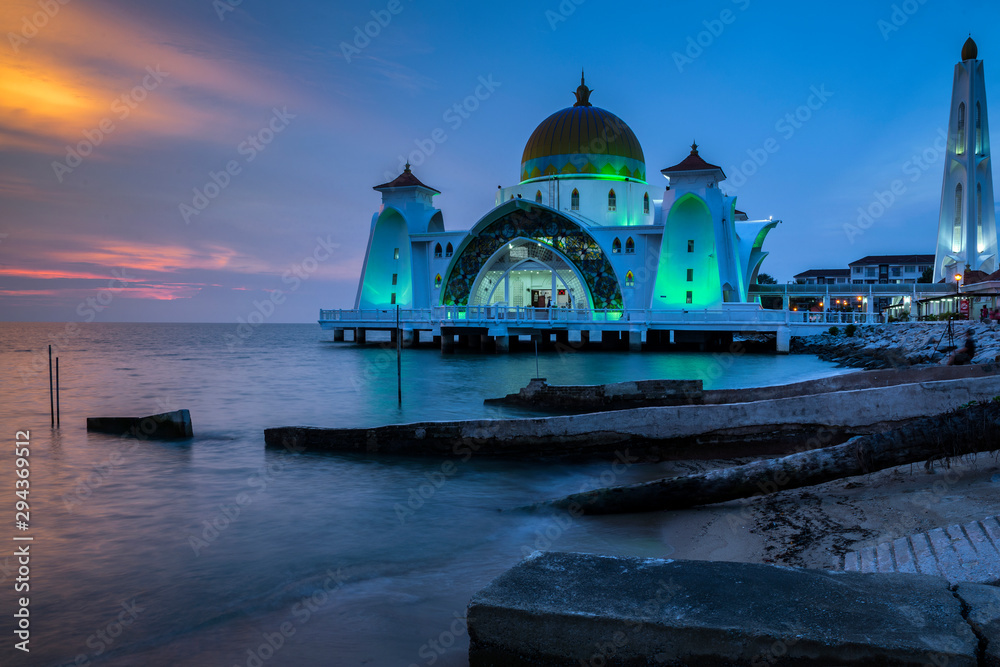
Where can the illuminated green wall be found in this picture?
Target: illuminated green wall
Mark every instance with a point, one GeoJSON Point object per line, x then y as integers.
{"type": "Point", "coordinates": [377, 289]}
{"type": "Point", "coordinates": [689, 220]}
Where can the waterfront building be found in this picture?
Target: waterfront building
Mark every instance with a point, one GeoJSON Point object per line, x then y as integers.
{"type": "Point", "coordinates": [889, 269]}
{"type": "Point", "coordinates": [967, 234]}
{"type": "Point", "coordinates": [582, 231]}
{"type": "Point", "coordinates": [823, 277]}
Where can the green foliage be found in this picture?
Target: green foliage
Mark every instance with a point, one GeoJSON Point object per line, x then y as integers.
{"type": "Point", "coordinates": [927, 276]}
{"type": "Point", "coordinates": [766, 279]}
{"type": "Point", "coordinates": [834, 331]}
{"type": "Point", "coordinates": [849, 330]}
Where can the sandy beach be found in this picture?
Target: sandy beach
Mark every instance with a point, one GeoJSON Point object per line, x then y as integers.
{"type": "Point", "coordinates": [815, 526]}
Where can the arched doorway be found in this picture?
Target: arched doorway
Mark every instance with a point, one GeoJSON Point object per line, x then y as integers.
{"type": "Point", "coordinates": [523, 222]}
{"type": "Point", "coordinates": [528, 273]}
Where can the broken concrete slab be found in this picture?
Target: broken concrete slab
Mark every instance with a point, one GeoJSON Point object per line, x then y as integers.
{"type": "Point", "coordinates": [687, 431]}
{"type": "Point", "coordinates": [571, 609]}
{"type": "Point", "coordinates": [983, 613]}
{"type": "Point", "coordinates": [174, 425]}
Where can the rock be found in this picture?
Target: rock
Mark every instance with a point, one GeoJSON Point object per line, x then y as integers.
{"type": "Point", "coordinates": [571, 609]}
{"type": "Point", "coordinates": [983, 613]}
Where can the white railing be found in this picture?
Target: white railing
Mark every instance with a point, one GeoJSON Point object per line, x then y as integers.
{"type": "Point", "coordinates": [499, 315]}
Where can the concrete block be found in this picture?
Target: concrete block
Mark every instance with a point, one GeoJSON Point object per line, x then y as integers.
{"type": "Point", "coordinates": [174, 425]}
{"type": "Point", "coordinates": [983, 613]}
{"type": "Point", "coordinates": [571, 609]}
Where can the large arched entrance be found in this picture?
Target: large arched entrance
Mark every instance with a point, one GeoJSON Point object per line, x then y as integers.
{"type": "Point", "coordinates": [519, 237]}
{"type": "Point", "coordinates": [527, 273]}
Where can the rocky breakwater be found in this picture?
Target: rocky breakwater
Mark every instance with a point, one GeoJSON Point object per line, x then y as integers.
{"type": "Point", "coordinates": [900, 344]}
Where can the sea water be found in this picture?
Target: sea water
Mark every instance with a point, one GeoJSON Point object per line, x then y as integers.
{"type": "Point", "coordinates": [215, 551]}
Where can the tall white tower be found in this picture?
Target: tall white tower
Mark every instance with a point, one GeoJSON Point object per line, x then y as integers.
{"type": "Point", "coordinates": [967, 233]}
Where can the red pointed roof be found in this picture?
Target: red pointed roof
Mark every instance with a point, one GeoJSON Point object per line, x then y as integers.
{"type": "Point", "coordinates": [692, 162]}
{"type": "Point", "coordinates": [405, 180]}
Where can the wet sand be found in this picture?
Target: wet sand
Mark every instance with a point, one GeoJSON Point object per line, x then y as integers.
{"type": "Point", "coordinates": [815, 526]}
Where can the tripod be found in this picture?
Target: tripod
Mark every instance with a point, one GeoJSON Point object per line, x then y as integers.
{"type": "Point", "coordinates": [950, 333]}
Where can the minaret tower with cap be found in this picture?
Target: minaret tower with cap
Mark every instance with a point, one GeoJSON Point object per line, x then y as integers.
{"type": "Point", "coordinates": [967, 234]}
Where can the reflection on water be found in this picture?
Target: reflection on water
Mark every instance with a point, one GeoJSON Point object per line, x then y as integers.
{"type": "Point", "coordinates": [216, 551]}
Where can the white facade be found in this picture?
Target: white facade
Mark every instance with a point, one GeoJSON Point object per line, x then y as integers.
{"type": "Point", "coordinates": [967, 234]}
{"type": "Point", "coordinates": [583, 229]}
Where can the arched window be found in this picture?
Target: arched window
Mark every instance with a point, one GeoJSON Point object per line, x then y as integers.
{"type": "Point", "coordinates": [437, 250]}
{"type": "Point", "coordinates": [956, 241]}
{"type": "Point", "coordinates": [574, 200]}
{"type": "Point", "coordinates": [645, 203]}
{"type": "Point", "coordinates": [449, 251]}
{"type": "Point", "coordinates": [629, 246]}
{"type": "Point", "coordinates": [629, 279]}
{"type": "Point", "coordinates": [538, 197]}
{"type": "Point", "coordinates": [616, 246]}
{"type": "Point", "coordinates": [960, 143]}
{"type": "Point", "coordinates": [979, 129]}
{"type": "Point", "coordinates": [437, 281]}
{"type": "Point", "coordinates": [612, 201]}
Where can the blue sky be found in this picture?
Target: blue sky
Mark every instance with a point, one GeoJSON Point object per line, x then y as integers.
{"type": "Point", "coordinates": [166, 96]}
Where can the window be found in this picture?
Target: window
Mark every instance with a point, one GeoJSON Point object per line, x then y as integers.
{"type": "Point", "coordinates": [960, 142]}
{"type": "Point", "coordinates": [574, 200]}
{"type": "Point", "coordinates": [979, 218]}
{"type": "Point", "coordinates": [616, 246]}
{"type": "Point", "coordinates": [437, 281]}
{"type": "Point", "coordinates": [629, 279]}
{"type": "Point", "coordinates": [956, 241]}
{"type": "Point", "coordinates": [394, 278]}
{"type": "Point", "coordinates": [449, 251]}
{"type": "Point", "coordinates": [395, 253]}
{"type": "Point", "coordinates": [690, 275]}
{"type": "Point", "coordinates": [538, 197]}
{"type": "Point", "coordinates": [645, 203]}
{"type": "Point", "coordinates": [392, 298]}
{"type": "Point", "coordinates": [979, 130]}
{"type": "Point", "coordinates": [612, 201]}
{"type": "Point", "coordinates": [896, 271]}
{"type": "Point", "coordinates": [629, 246]}
{"type": "Point", "coordinates": [923, 268]}
{"type": "Point", "coordinates": [871, 272]}
{"type": "Point", "coordinates": [910, 269]}
{"type": "Point", "coordinates": [857, 270]}
{"type": "Point", "coordinates": [690, 245]}
{"type": "Point", "coordinates": [437, 251]}
{"type": "Point", "coordinates": [689, 298]}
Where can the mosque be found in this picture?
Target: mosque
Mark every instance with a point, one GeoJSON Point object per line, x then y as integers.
{"type": "Point", "coordinates": [583, 235]}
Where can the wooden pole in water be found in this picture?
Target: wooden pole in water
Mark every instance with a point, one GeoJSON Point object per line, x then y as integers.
{"type": "Point", "coordinates": [57, 392]}
{"type": "Point", "coordinates": [399, 358]}
{"type": "Point", "coordinates": [52, 407]}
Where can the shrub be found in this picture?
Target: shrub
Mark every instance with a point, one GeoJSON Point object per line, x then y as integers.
{"type": "Point", "coordinates": [849, 330]}
{"type": "Point", "coordinates": [834, 331]}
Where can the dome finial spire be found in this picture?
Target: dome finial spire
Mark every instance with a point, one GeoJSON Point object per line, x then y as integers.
{"type": "Point", "coordinates": [583, 93]}
{"type": "Point", "coordinates": [970, 51]}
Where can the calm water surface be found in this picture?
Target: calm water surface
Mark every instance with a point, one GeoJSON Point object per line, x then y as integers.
{"type": "Point", "coordinates": [217, 552]}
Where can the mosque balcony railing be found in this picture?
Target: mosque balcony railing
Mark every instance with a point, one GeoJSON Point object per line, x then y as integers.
{"type": "Point", "coordinates": [377, 315]}
{"type": "Point", "coordinates": [498, 315]}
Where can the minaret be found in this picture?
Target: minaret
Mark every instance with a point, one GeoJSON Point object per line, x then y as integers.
{"type": "Point", "coordinates": [967, 234]}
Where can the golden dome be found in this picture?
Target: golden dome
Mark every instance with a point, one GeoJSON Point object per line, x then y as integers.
{"type": "Point", "coordinates": [583, 139]}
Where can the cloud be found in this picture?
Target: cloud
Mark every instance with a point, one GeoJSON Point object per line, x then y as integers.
{"type": "Point", "coordinates": [88, 65]}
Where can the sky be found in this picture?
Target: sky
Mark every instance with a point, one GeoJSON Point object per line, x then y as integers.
{"type": "Point", "coordinates": [202, 160]}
